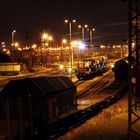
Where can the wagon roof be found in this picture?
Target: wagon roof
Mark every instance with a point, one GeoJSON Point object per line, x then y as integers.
{"type": "Point", "coordinates": [38, 86]}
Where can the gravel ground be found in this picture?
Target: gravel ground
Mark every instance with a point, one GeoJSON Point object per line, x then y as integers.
{"type": "Point", "coordinates": [110, 124]}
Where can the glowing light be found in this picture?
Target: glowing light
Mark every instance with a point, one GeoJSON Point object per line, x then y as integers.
{"type": "Point", "coordinates": [74, 43]}
{"type": "Point", "coordinates": [69, 70]}
{"type": "Point", "coordinates": [50, 38]}
{"type": "Point", "coordinates": [61, 67]}
{"type": "Point", "coordinates": [44, 36]}
{"type": "Point", "coordinates": [78, 44]}
{"type": "Point", "coordinates": [64, 41]}
{"type": "Point", "coordinates": [79, 26]}
{"type": "Point", "coordinates": [16, 44]}
{"type": "Point", "coordinates": [66, 21]}
{"type": "Point", "coordinates": [19, 49]}
{"type": "Point", "coordinates": [3, 44]}
{"type": "Point", "coordinates": [102, 46]}
{"type": "Point", "coordinates": [85, 25]}
{"type": "Point", "coordinates": [112, 66]}
{"type": "Point", "coordinates": [114, 46]}
{"type": "Point", "coordinates": [34, 46]}
{"type": "Point", "coordinates": [81, 45]}
{"type": "Point", "coordinates": [4, 50]}
{"type": "Point", "coordinates": [133, 45]}
{"type": "Point", "coordinates": [8, 52]}
{"type": "Point", "coordinates": [27, 48]}
{"type": "Point", "coordinates": [46, 44]}
{"type": "Point", "coordinates": [73, 20]}
{"type": "Point", "coordinates": [14, 31]}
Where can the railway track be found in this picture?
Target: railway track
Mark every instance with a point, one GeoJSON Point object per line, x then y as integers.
{"type": "Point", "coordinates": [96, 84]}
{"type": "Point", "coordinates": [79, 82]}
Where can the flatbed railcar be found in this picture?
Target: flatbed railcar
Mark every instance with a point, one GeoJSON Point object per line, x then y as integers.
{"type": "Point", "coordinates": [91, 67]}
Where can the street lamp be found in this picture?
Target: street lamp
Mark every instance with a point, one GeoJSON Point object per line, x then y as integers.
{"type": "Point", "coordinates": [83, 30]}
{"type": "Point", "coordinates": [64, 41]}
{"type": "Point", "coordinates": [44, 38]}
{"type": "Point", "coordinates": [80, 46]}
{"type": "Point", "coordinates": [50, 38]}
{"type": "Point", "coordinates": [70, 25]}
{"type": "Point", "coordinates": [70, 36]}
{"type": "Point", "coordinates": [44, 43]}
{"type": "Point", "coordinates": [13, 45]}
{"type": "Point", "coordinates": [13, 33]}
{"type": "Point", "coordinates": [90, 35]}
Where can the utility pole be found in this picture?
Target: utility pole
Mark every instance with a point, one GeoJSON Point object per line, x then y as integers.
{"type": "Point", "coordinates": [134, 69]}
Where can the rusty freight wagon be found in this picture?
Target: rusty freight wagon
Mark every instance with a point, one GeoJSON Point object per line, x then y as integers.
{"type": "Point", "coordinates": [28, 106]}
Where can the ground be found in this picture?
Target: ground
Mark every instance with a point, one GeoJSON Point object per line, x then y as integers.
{"type": "Point", "coordinates": [110, 124]}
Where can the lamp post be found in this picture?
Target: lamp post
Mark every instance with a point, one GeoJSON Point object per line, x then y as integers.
{"type": "Point", "coordinates": [44, 42]}
{"type": "Point", "coordinates": [64, 41]}
{"type": "Point", "coordinates": [70, 36]}
{"type": "Point", "coordinates": [13, 45]}
{"type": "Point", "coordinates": [50, 38]}
{"type": "Point", "coordinates": [90, 39]}
{"type": "Point", "coordinates": [13, 33]}
{"type": "Point", "coordinates": [83, 30]}
{"type": "Point", "coordinates": [91, 35]}
{"type": "Point", "coordinates": [44, 38]}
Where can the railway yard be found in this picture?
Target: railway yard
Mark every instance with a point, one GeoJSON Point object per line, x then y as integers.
{"type": "Point", "coordinates": [101, 111]}
{"type": "Point", "coordinates": [74, 75]}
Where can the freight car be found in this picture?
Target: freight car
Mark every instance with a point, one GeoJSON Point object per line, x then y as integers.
{"type": "Point", "coordinates": [91, 67]}
{"type": "Point", "coordinates": [28, 106]}
{"type": "Point", "coordinates": [121, 70]}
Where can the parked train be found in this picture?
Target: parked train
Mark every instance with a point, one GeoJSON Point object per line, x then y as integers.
{"type": "Point", "coordinates": [91, 67]}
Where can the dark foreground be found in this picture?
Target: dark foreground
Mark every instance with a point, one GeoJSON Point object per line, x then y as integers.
{"type": "Point", "coordinates": [110, 124]}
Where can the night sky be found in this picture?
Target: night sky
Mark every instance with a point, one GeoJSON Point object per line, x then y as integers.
{"type": "Point", "coordinates": [31, 17]}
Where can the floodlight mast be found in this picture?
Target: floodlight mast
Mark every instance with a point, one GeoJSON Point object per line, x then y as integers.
{"type": "Point", "coordinates": [134, 67]}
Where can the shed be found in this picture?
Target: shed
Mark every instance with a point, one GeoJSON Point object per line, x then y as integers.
{"type": "Point", "coordinates": [35, 102]}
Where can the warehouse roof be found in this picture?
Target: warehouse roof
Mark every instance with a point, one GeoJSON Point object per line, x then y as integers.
{"type": "Point", "coordinates": [38, 86]}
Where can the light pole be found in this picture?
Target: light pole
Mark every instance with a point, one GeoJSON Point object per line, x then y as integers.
{"type": "Point", "coordinates": [44, 38]}
{"type": "Point", "coordinates": [91, 36]}
{"type": "Point", "coordinates": [70, 36]}
{"type": "Point", "coordinates": [13, 33]}
{"type": "Point", "coordinates": [83, 30]}
{"type": "Point", "coordinates": [64, 41]}
{"type": "Point", "coordinates": [90, 39]}
{"type": "Point", "coordinates": [44, 42]}
{"type": "Point", "coordinates": [13, 45]}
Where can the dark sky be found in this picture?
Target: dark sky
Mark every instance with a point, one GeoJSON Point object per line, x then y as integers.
{"type": "Point", "coordinates": [31, 17]}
